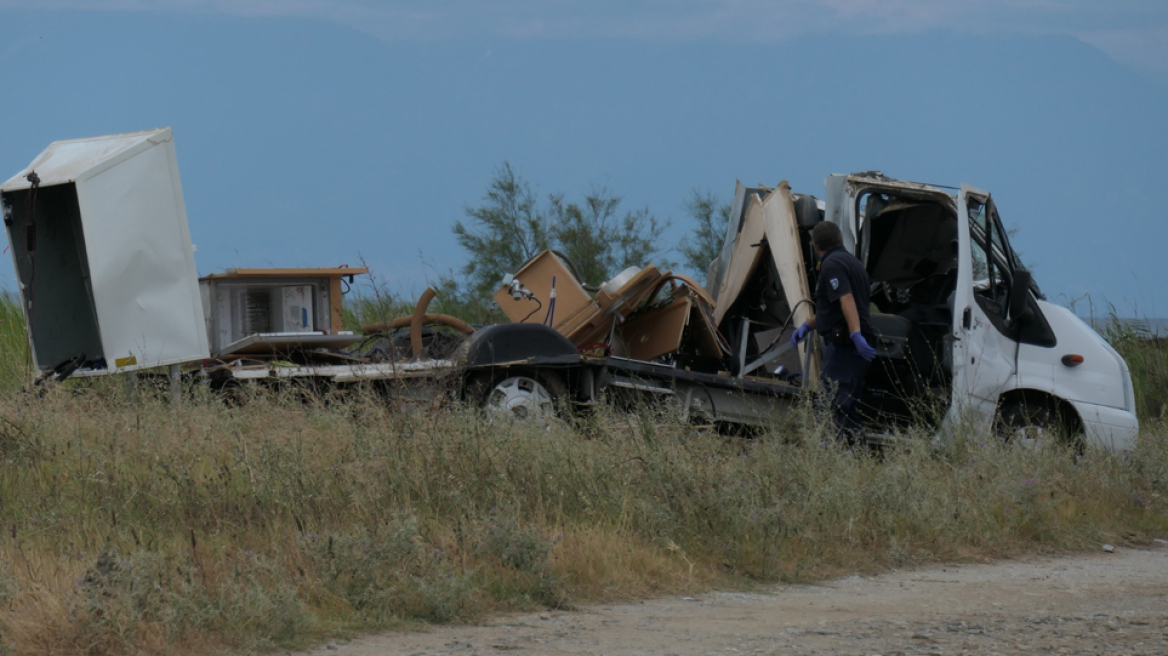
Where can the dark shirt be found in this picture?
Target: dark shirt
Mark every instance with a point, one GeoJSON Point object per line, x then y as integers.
{"type": "Point", "coordinates": [841, 273]}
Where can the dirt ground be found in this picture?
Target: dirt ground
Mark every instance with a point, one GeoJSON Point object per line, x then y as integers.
{"type": "Point", "coordinates": [1101, 603]}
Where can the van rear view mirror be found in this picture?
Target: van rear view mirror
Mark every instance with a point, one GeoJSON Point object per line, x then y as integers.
{"type": "Point", "coordinates": [1020, 308]}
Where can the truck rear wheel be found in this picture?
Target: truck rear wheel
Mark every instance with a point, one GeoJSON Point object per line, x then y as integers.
{"type": "Point", "coordinates": [521, 395]}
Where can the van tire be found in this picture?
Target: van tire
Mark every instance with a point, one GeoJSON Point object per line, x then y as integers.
{"type": "Point", "coordinates": [1037, 422]}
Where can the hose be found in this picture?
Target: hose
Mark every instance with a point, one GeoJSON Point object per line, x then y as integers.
{"type": "Point", "coordinates": [430, 318]}
{"type": "Point", "coordinates": [419, 319]}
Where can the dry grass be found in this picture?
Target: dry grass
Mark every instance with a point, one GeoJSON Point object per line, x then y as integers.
{"type": "Point", "coordinates": [129, 529]}
{"type": "Point", "coordinates": [148, 529]}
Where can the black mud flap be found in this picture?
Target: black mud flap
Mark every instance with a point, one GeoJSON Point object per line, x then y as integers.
{"type": "Point", "coordinates": [517, 343]}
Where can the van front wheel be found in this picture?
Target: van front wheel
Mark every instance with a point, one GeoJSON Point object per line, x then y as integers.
{"type": "Point", "coordinates": [1036, 424]}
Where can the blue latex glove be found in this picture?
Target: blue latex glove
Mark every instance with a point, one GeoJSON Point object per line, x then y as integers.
{"type": "Point", "coordinates": [862, 347]}
{"type": "Point", "coordinates": [800, 333]}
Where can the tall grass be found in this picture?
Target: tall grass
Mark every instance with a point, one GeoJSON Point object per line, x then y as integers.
{"type": "Point", "coordinates": [14, 356]}
{"type": "Point", "coordinates": [1147, 357]}
{"type": "Point", "coordinates": [150, 528]}
{"type": "Point", "coordinates": [130, 528]}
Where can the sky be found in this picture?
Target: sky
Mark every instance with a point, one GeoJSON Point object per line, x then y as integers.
{"type": "Point", "coordinates": [313, 133]}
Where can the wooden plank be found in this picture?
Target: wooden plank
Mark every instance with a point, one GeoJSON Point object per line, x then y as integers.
{"type": "Point", "coordinates": [782, 232]}
{"type": "Point", "coordinates": [277, 344]}
{"type": "Point", "coordinates": [338, 272]}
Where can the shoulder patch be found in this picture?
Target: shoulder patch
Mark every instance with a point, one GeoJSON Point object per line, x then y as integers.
{"type": "Point", "coordinates": [835, 283]}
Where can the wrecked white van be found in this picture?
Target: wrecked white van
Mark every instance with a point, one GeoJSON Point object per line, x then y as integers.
{"type": "Point", "coordinates": [963, 322]}
{"type": "Point", "coordinates": [965, 336]}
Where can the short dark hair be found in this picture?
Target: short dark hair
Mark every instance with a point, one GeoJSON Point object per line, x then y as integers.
{"type": "Point", "coordinates": [826, 235]}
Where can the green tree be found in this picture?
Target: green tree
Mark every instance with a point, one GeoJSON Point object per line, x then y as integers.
{"type": "Point", "coordinates": [504, 232]}
{"type": "Point", "coordinates": [511, 227]}
{"type": "Point", "coordinates": [599, 241]}
{"type": "Point", "coordinates": [457, 300]}
{"type": "Point", "coordinates": [704, 243]}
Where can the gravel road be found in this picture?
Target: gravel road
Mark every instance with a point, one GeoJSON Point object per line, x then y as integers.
{"type": "Point", "coordinates": [1104, 603]}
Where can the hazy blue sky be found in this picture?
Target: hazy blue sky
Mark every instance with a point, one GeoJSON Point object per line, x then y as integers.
{"type": "Point", "coordinates": [314, 133]}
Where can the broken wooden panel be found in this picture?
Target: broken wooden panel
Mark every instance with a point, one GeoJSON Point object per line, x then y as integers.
{"type": "Point", "coordinates": [744, 257]}
{"type": "Point", "coordinates": [782, 235]}
{"type": "Point", "coordinates": [656, 332]}
{"type": "Point", "coordinates": [706, 338]}
{"type": "Point", "coordinates": [538, 275]}
{"type": "Point", "coordinates": [616, 315]}
{"type": "Point", "coordinates": [617, 299]}
{"type": "Point", "coordinates": [681, 322]}
{"type": "Point", "coordinates": [583, 319]}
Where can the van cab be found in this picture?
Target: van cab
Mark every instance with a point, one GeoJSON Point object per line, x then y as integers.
{"type": "Point", "coordinates": [963, 327]}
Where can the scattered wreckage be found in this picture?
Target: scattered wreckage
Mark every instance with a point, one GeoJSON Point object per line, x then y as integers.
{"type": "Point", "coordinates": [108, 285]}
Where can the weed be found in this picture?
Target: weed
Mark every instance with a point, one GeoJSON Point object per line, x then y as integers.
{"type": "Point", "coordinates": [514, 546]}
{"type": "Point", "coordinates": [390, 572]}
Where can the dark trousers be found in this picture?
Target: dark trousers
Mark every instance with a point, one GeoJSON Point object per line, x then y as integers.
{"type": "Point", "coordinates": [843, 381]}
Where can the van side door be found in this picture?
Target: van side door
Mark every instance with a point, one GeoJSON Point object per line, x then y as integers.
{"type": "Point", "coordinates": [984, 356]}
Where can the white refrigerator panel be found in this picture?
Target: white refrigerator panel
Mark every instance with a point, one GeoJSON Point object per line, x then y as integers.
{"type": "Point", "coordinates": [145, 286]}
{"type": "Point", "coordinates": [137, 261]}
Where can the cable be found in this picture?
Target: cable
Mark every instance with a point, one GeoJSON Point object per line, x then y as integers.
{"type": "Point", "coordinates": [549, 318]}
{"type": "Point", "coordinates": [596, 345]}
{"type": "Point", "coordinates": [571, 265]}
{"type": "Point", "coordinates": [524, 319]}
{"type": "Point", "coordinates": [788, 322]}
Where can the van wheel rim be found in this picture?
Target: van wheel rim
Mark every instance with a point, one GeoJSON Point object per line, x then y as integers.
{"type": "Point", "coordinates": [1032, 427]}
{"type": "Point", "coordinates": [1032, 436]}
{"type": "Point", "coordinates": [520, 398]}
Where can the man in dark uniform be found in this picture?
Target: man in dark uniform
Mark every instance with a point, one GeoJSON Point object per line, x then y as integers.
{"type": "Point", "coordinates": [841, 316]}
